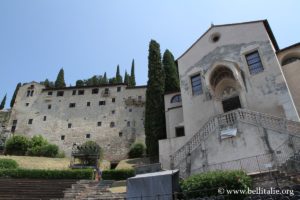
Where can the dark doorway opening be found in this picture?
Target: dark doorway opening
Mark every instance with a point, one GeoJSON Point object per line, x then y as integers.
{"type": "Point", "coordinates": [231, 104]}
{"type": "Point", "coordinates": [114, 164]}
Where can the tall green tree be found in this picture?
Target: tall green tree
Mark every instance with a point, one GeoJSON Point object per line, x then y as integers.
{"type": "Point", "coordinates": [60, 80]}
{"type": "Point", "coordinates": [104, 80]}
{"type": "Point", "coordinates": [154, 111]}
{"type": "Point", "coordinates": [118, 76]}
{"type": "Point", "coordinates": [13, 99]}
{"type": "Point", "coordinates": [171, 81]}
{"type": "Point", "coordinates": [2, 105]}
{"type": "Point", "coordinates": [126, 78]}
{"type": "Point", "coordinates": [132, 82]}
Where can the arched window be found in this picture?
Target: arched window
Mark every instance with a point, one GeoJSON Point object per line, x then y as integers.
{"type": "Point", "coordinates": [290, 60]}
{"type": "Point", "coordinates": [176, 99]}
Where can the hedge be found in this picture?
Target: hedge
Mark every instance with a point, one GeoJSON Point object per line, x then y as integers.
{"type": "Point", "coordinates": [207, 184]}
{"type": "Point", "coordinates": [118, 174]}
{"type": "Point", "coordinates": [137, 150]}
{"type": "Point", "coordinates": [8, 164]}
{"type": "Point", "coordinates": [46, 174]}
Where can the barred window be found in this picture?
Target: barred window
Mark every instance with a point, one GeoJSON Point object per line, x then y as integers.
{"type": "Point", "coordinates": [196, 84]}
{"type": "Point", "coordinates": [254, 63]}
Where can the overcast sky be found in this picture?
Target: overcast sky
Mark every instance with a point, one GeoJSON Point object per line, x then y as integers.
{"type": "Point", "coordinates": [86, 38]}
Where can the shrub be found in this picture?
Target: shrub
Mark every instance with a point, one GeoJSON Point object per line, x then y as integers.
{"type": "Point", "coordinates": [137, 150]}
{"type": "Point", "coordinates": [16, 145]}
{"type": "Point", "coordinates": [118, 174]}
{"type": "Point", "coordinates": [207, 184]}
{"type": "Point", "coordinates": [49, 150]}
{"type": "Point", "coordinates": [46, 174]}
{"type": "Point", "coordinates": [88, 151]}
{"type": "Point", "coordinates": [8, 164]}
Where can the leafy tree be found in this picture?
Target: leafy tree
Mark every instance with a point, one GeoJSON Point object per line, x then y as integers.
{"type": "Point", "coordinates": [2, 105]}
{"type": "Point", "coordinates": [13, 99]}
{"type": "Point", "coordinates": [60, 80]}
{"type": "Point", "coordinates": [154, 111]}
{"type": "Point", "coordinates": [118, 76]}
{"type": "Point", "coordinates": [126, 78]}
{"type": "Point", "coordinates": [132, 76]}
{"type": "Point", "coordinates": [105, 81]}
{"type": "Point", "coordinates": [79, 83]}
{"type": "Point", "coordinates": [112, 80]}
{"type": "Point", "coordinates": [16, 145]}
{"type": "Point", "coordinates": [172, 81]}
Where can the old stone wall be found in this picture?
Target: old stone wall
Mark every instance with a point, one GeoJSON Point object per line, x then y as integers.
{"type": "Point", "coordinates": [111, 115]}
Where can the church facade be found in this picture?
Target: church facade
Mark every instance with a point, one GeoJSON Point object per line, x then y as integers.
{"type": "Point", "coordinates": [238, 103]}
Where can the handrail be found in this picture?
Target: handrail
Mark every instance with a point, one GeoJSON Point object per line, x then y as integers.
{"type": "Point", "coordinates": [229, 119]}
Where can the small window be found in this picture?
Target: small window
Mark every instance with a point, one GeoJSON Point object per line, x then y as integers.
{"type": "Point", "coordinates": [80, 92]}
{"type": "Point", "coordinates": [120, 134]}
{"type": "Point", "coordinates": [113, 112]}
{"type": "Point", "coordinates": [112, 124]}
{"type": "Point", "coordinates": [49, 106]}
{"type": "Point", "coordinates": [30, 121]}
{"type": "Point", "coordinates": [31, 93]}
{"type": "Point", "coordinates": [69, 125]}
{"type": "Point", "coordinates": [13, 129]}
{"type": "Point", "coordinates": [113, 100]}
{"type": "Point", "coordinates": [130, 110]}
{"type": "Point", "coordinates": [62, 137]}
{"type": "Point", "coordinates": [88, 135]}
{"type": "Point", "coordinates": [27, 104]}
{"type": "Point", "coordinates": [139, 98]}
{"type": "Point", "coordinates": [50, 93]}
{"type": "Point", "coordinates": [101, 103]}
{"type": "Point", "coordinates": [88, 103]}
{"type": "Point", "coordinates": [118, 89]}
{"type": "Point", "coordinates": [106, 91]}
{"type": "Point", "coordinates": [99, 123]}
{"type": "Point", "coordinates": [95, 91]}
{"type": "Point", "coordinates": [196, 84]}
{"type": "Point", "coordinates": [15, 122]}
{"type": "Point", "coordinates": [128, 124]}
{"type": "Point", "coordinates": [72, 105]}
{"type": "Point", "coordinates": [60, 93]}
{"type": "Point", "coordinates": [176, 99]}
{"type": "Point", "coordinates": [28, 93]}
{"type": "Point", "coordinates": [74, 92]}
{"type": "Point", "coordinates": [254, 63]}
{"type": "Point", "coordinates": [45, 118]}
{"type": "Point", "coordinates": [179, 131]}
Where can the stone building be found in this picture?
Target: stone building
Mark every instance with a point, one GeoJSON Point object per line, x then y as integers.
{"type": "Point", "coordinates": [238, 104]}
{"type": "Point", "coordinates": [111, 115]}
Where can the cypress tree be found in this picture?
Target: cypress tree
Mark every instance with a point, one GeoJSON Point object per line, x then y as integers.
{"type": "Point", "coordinates": [126, 78]}
{"type": "Point", "coordinates": [104, 80]}
{"type": "Point", "coordinates": [118, 76]}
{"type": "Point", "coordinates": [13, 99]}
{"type": "Point", "coordinates": [172, 81]}
{"type": "Point", "coordinates": [47, 83]}
{"type": "Point", "coordinates": [60, 80]}
{"type": "Point", "coordinates": [2, 105]}
{"type": "Point", "coordinates": [132, 76]}
{"type": "Point", "coordinates": [154, 111]}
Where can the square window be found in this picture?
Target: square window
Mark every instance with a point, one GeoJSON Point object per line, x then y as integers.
{"type": "Point", "coordinates": [74, 92]}
{"type": "Point", "coordinates": [88, 103]}
{"type": "Point", "coordinates": [30, 121]}
{"type": "Point", "coordinates": [118, 89]}
{"type": "Point", "coordinates": [254, 63]}
{"type": "Point", "coordinates": [106, 91]}
{"type": "Point", "coordinates": [80, 92]}
{"type": "Point", "coordinates": [72, 105]}
{"type": "Point", "coordinates": [128, 124]}
{"type": "Point", "coordinates": [60, 93]}
{"type": "Point", "coordinates": [130, 109]}
{"type": "Point", "coordinates": [45, 118]}
{"type": "Point", "coordinates": [179, 131]}
{"type": "Point", "coordinates": [88, 135]}
{"type": "Point", "coordinates": [95, 91]}
{"type": "Point", "coordinates": [27, 104]}
{"type": "Point", "coordinates": [112, 124]}
{"type": "Point", "coordinates": [99, 123]}
{"type": "Point", "coordinates": [49, 106]}
{"type": "Point", "coordinates": [50, 93]}
{"type": "Point", "coordinates": [120, 134]}
{"type": "Point", "coordinates": [13, 128]}
{"type": "Point", "coordinates": [62, 137]}
{"type": "Point", "coordinates": [196, 84]}
{"type": "Point", "coordinates": [113, 112]}
{"type": "Point", "coordinates": [101, 103]}
{"type": "Point", "coordinates": [69, 125]}
{"type": "Point", "coordinates": [113, 100]}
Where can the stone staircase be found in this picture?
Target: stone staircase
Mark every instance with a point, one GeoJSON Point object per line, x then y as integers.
{"type": "Point", "coordinates": [91, 190]}
{"type": "Point", "coordinates": [231, 119]}
{"type": "Point", "coordinates": [32, 189]}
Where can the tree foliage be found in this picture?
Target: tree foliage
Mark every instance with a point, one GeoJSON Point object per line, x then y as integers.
{"type": "Point", "coordinates": [126, 78]}
{"type": "Point", "coordinates": [119, 78]}
{"type": "Point", "coordinates": [154, 111]}
{"type": "Point", "coordinates": [2, 105]}
{"type": "Point", "coordinates": [132, 75]}
{"type": "Point", "coordinates": [60, 80]}
{"type": "Point", "coordinates": [172, 81]}
{"type": "Point", "coordinates": [13, 99]}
